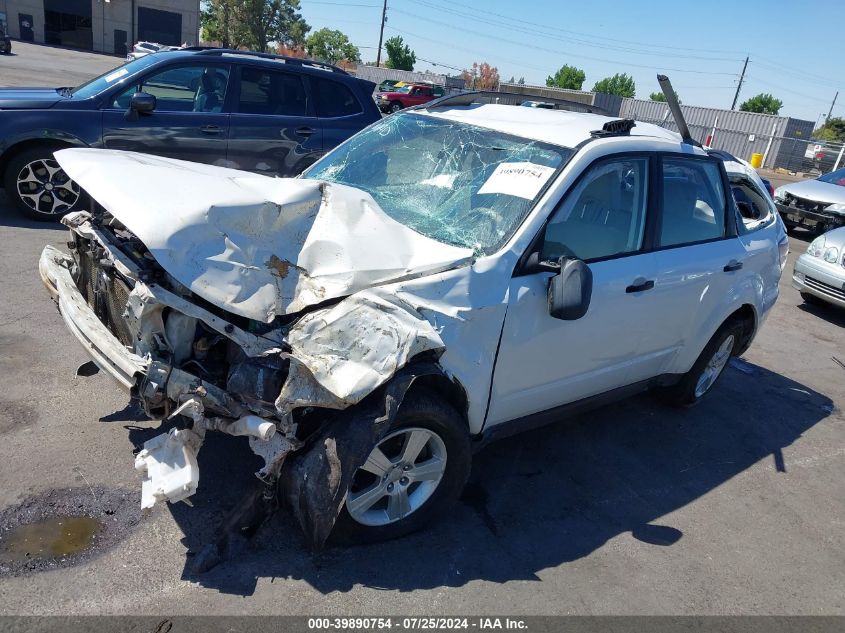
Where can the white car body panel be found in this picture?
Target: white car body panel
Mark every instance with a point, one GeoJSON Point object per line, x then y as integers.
{"type": "Point", "coordinates": [260, 247]}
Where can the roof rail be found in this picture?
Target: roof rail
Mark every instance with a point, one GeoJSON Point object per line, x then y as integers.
{"type": "Point", "coordinates": [508, 98]}
{"type": "Point", "coordinates": [617, 127]}
{"type": "Point", "coordinates": [296, 61]}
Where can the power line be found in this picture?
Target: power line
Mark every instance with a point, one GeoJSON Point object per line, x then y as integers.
{"type": "Point", "coordinates": [557, 52]}
{"type": "Point", "coordinates": [544, 31]}
{"type": "Point", "coordinates": [592, 36]}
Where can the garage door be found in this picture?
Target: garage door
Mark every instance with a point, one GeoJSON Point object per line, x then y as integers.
{"type": "Point", "coordinates": [164, 27]}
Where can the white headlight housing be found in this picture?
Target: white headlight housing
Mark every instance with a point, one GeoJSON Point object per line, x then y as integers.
{"type": "Point", "coordinates": [779, 193]}
{"type": "Point", "coordinates": [831, 254]}
{"type": "Point", "coordinates": [816, 247]}
{"type": "Point", "coordinates": [836, 207]}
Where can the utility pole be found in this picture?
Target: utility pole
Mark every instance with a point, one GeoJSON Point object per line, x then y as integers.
{"type": "Point", "coordinates": [829, 112]}
{"type": "Point", "coordinates": [381, 33]}
{"type": "Point", "coordinates": [739, 85]}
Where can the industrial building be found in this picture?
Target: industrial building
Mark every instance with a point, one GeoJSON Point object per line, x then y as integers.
{"type": "Point", "coordinates": [107, 26]}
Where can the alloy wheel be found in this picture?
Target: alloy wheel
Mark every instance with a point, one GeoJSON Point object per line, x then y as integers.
{"type": "Point", "coordinates": [45, 188]}
{"type": "Point", "coordinates": [714, 367]}
{"type": "Point", "coordinates": [400, 475]}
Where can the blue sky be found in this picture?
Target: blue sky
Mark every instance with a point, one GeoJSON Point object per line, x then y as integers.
{"type": "Point", "coordinates": [796, 48]}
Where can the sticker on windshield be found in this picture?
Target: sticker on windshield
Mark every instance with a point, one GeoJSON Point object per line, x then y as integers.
{"type": "Point", "coordinates": [523, 180]}
{"type": "Point", "coordinates": [116, 75]}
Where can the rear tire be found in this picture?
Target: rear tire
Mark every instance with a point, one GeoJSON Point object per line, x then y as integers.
{"type": "Point", "coordinates": [424, 420]}
{"type": "Point", "coordinates": [38, 187]}
{"type": "Point", "coordinates": [708, 368]}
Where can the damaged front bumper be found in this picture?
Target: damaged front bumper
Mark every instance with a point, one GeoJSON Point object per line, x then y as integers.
{"type": "Point", "coordinates": [168, 462]}
{"type": "Point", "coordinates": [281, 385]}
{"type": "Point", "coordinates": [107, 352]}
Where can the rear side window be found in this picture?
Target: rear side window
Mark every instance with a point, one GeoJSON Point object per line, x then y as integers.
{"type": "Point", "coordinates": [693, 202]}
{"type": "Point", "coordinates": [334, 99]}
{"type": "Point", "coordinates": [755, 207]}
{"type": "Point", "coordinates": [270, 92]}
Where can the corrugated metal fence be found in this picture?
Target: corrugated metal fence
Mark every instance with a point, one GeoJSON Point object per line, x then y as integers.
{"type": "Point", "coordinates": [782, 140]}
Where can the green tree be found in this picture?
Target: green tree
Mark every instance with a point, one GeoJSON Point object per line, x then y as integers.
{"type": "Point", "coordinates": [620, 84]}
{"type": "Point", "coordinates": [832, 130]}
{"type": "Point", "coordinates": [659, 96]}
{"type": "Point", "coordinates": [399, 54]}
{"type": "Point", "coordinates": [331, 46]}
{"type": "Point", "coordinates": [567, 77]}
{"type": "Point", "coordinates": [521, 81]}
{"type": "Point", "coordinates": [762, 102]}
{"type": "Point", "coordinates": [253, 24]}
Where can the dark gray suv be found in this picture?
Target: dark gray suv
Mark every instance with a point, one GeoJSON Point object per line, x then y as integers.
{"type": "Point", "coordinates": [269, 114]}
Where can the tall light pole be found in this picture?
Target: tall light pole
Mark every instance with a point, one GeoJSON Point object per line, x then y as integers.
{"type": "Point", "coordinates": [381, 33]}
{"type": "Point", "coordinates": [739, 85]}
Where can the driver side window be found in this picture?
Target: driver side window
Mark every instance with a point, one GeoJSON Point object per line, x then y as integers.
{"type": "Point", "coordinates": [182, 89]}
{"type": "Point", "coordinates": [604, 215]}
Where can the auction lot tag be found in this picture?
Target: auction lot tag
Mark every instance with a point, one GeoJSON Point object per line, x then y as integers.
{"type": "Point", "coordinates": [116, 75]}
{"type": "Point", "coordinates": [523, 180]}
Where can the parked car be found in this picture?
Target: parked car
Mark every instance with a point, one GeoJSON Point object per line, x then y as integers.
{"type": "Point", "coordinates": [819, 274]}
{"type": "Point", "coordinates": [817, 204]}
{"type": "Point", "coordinates": [269, 114]}
{"type": "Point", "coordinates": [407, 96]}
{"type": "Point", "coordinates": [823, 155]}
{"type": "Point", "coordinates": [729, 158]}
{"type": "Point", "coordinates": [388, 84]}
{"type": "Point", "coordinates": [146, 48]}
{"type": "Point", "coordinates": [448, 276]}
{"type": "Point", "coordinates": [5, 41]}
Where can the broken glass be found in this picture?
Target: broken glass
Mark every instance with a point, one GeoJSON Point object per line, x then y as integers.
{"type": "Point", "coordinates": [453, 182]}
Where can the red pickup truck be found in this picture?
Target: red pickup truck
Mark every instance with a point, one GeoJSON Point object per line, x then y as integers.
{"type": "Point", "coordinates": [406, 96]}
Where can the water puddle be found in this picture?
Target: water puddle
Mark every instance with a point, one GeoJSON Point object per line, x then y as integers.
{"type": "Point", "coordinates": [64, 527]}
{"type": "Point", "coordinates": [50, 539]}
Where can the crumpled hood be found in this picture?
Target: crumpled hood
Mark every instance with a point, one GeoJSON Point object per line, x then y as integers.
{"type": "Point", "coordinates": [250, 244]}
{"type": "Point", "coordinates": [816, 190]}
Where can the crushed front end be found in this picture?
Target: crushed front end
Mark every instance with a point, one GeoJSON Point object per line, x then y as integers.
{"type": "Point", "coordinates": [176, 356]}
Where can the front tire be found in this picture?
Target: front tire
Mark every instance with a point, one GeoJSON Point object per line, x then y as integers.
{"type": "Point", "coordinates": [38, 187]}
{"type": "Point", "coordinates": [395, 107]}
{"type": "Point", "coordinates": [708, 368]}
{"type": "Point", "coordinates": [813, 300]}
{"type": "Point", "coordinates": [413, 474]}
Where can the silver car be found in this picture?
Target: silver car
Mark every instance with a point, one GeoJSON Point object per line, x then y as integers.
{"type": "Point", "coordinates": [817, 204]}
{"type": "Point", "coordinates": [820, 272]}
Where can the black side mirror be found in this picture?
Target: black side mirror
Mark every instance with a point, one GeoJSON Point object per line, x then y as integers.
{"type": "Point", "coordinates": [570, 290]}
{"type": "Point", "coordinates": [140, 103]}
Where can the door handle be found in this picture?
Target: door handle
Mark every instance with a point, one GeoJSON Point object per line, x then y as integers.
{"type": "Point", "coordinates": [732, 266]}
{"type": "Point", "coordinates": [640, 285]}
{"type": "Point", "coordinates": [304, 131]}
{"type": "Point", "coordinates": [210, 129]}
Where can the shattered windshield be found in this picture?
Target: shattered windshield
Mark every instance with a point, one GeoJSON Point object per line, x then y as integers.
{"type": "Point", "coordinates": [453, 182]}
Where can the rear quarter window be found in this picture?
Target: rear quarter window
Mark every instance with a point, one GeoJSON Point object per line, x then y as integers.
{"type": "Point", "coordinates": [334, 99]}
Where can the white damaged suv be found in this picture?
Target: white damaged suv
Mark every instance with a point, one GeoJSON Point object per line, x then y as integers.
{"type": "Point", "coordinates": [452, 274]}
